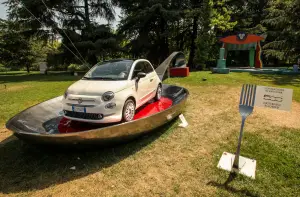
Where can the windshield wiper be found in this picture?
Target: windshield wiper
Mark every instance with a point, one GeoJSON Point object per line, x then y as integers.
{"type": "Point", "coordinates": [86, 78]}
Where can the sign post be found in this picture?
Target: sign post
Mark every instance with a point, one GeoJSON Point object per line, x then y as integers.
{"type": "Point", "coordinates": [268, 97]}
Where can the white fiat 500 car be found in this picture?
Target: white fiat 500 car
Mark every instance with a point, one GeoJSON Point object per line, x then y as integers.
{"type": "Point", "coordinates": [111, 91]}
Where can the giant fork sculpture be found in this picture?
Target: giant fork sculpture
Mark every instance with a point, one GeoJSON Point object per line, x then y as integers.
{"type": "Point", "coordinates": [246, 106]}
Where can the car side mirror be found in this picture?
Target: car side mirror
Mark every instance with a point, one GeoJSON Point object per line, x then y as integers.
{"type": "Point", "coordinates": [141, 75]}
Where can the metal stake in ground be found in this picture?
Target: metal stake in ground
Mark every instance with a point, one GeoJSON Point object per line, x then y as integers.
{"type": "Point", "coordinates": [246, 106]}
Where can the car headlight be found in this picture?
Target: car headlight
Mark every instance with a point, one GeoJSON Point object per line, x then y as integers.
{"type": "Point", "coordinates": [66, 94]}
{"type": "Point", "coordinates": [107, 96]}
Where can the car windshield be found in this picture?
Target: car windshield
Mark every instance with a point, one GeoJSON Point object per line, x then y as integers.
{"type": "Point", "coordinates": [113, 70]}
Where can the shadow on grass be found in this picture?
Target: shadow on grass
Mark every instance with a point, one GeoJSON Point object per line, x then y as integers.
{"type": "Point", "coordinates": [25, 167]}
{"type": "Point", "coordinates": [16, 73]}
{"type": "Point", "coordinates": [293, 80]}
{"type": "Point", "coordinates": [231, 189]}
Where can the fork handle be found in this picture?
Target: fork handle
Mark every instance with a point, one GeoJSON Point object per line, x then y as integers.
{"type": "Point", "coordinates": [238, 150]}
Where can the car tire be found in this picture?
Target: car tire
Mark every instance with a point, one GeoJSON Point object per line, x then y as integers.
{"type": "Point", "coordinates": [158, 93]}
{"type": "Point", "coordinates": [128, 110]}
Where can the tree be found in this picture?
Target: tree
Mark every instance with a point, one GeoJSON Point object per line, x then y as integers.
{"type": "Point", "coordinates": [283, 20]}
{"type": "Point", "coordinates": [210, 18]}
{"type": "Point", "coordinates": [73, 20]}
{"type": "Point", "coordinates": [200, 14]}
{"type": "Point", "coordinates": [15, 48]}
{"type": "Point", "coordinates": [101, 42]}
{"type": "Point", "coordinates": [153, 28]}
{"type": "Point", "coordinates": [41, 49]}
{"type": "Point", "coordinates": [147, 26]}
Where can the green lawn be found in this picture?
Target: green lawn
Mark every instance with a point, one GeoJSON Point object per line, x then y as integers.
{"type": "Point", "coordinates": [237, 79]}
{"type": "Point", "coordinates": [278, 160]}
{"type": "Point", "coordinates": [23, 90]}
{"type": "Point", "coordinates": [170, 162]}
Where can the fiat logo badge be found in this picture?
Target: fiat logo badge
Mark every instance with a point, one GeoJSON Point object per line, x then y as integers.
{"type": "Point", "coordinates": [79, 100]}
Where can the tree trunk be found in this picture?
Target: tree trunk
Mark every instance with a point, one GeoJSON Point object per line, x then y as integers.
{"type": "Point", "coordinates": [27, 67]}
{"type": "Point", "coordinates": [181, 43]}
{"type": "Point", "coordinates": [177, 35]}
{"type": "Point", "coordinates": [193, 44]}
{"type": "Point", "coordinates": [164, 41]}
{"type": "Point", "coordinates": [87, 13]}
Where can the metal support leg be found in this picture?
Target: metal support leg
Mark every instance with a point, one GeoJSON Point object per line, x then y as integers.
{"type": "Point", "coordinates": [238, 150]}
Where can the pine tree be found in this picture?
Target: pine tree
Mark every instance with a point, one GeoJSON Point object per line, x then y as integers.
{"type": "Point", "coordinates": [147, 26]}
{"type": "Point", "coordinates": [284, 21]}
{"type": "Point", "coordinates": [15, 48]}
{"type": "Point", "coordinates": [74, 21]}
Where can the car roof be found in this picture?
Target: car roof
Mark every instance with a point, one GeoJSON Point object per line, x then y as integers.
{"type": "Point", "coordinates": [117, 60]}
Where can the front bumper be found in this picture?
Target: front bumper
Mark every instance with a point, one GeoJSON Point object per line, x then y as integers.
{"type": "Point", "coordinates": [94, 112]}
{"type": "Point", "coordinates": [106, 119]}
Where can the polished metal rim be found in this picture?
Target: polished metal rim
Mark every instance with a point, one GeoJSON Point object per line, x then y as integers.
{"type": "Point", "coordinates": [29, 124]}
{"type": "Point", "coordinates": [129, 111]}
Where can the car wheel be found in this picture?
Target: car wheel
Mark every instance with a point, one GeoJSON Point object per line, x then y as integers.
{"type": "Point", "coordinates": [158, 93]}
{"type": "Point", "coordinates": [128, 110]}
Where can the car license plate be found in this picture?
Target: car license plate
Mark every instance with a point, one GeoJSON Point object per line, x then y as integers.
{"type": "Point", "coordinates": [78, 109]}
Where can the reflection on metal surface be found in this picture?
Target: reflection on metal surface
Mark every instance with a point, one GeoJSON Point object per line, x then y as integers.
{"type": "Point", "coordinates": [176, 59]}
{"type": "Point", "coordinates": [39, 124]}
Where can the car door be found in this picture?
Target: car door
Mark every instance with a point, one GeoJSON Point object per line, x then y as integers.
{"type": "Point", "coordinates": [151, 78]}
{"type": "Point", "coordinates": [141, 84]}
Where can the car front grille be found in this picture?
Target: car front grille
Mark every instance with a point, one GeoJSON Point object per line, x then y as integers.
{"type": "Point", "coordinates": [87, 116]}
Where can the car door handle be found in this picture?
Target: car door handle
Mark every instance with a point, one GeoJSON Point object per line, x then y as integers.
{"type": "Point", "coordinates": [151, 80]}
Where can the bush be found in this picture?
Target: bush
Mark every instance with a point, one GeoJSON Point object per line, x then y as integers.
{"type": "Point", "coordinates": [3, 68]}
{"type": "Point", "coordinates": [61, 67]}
{"type": "Point", "coordinates": [34, 67]}
{"type": "Point", "coordinates": [76, 67]}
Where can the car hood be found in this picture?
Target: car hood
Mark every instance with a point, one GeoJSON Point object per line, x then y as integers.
{"type": "Point", "coordinates": [96, 87]}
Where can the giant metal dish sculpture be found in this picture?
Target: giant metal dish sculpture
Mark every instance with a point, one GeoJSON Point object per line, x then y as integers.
{"type": "Point", "coordinates": [44, 123]}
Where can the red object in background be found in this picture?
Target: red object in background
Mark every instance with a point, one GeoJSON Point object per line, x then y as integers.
{"type": "Point", "coordinates": [179, 72]}
{"type": "Point", "coordinates": [258, 61]}
{"type": "Point", "coordinates": [68, 126]}
{"type": "Point", "coordinates": [251, 38]}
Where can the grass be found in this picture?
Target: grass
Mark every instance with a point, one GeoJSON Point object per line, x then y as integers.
{"type": "Point", "coordinates": [19, 90]}
{"type": "Point", "coordinates": [278, 171]}
{"type": "Point", "coordinates": [169, 162]}
{"type": "Point", "coordinates": [237, 79]}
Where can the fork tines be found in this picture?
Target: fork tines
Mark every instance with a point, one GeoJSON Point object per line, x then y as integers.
{"type": "Point", "coordinates": [248, 95]}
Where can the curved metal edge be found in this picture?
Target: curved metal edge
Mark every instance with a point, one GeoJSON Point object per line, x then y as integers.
{"type": "Point", "coordinates": [108, 134]}
{"type": "Point", "coordinates": [162, 68]}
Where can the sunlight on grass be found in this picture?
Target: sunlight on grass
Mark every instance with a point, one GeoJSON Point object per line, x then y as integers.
{"type": "Point", "coordinates": [238, 79]}
{"type": "Point", "coordinates": [278, 161]}
{"type": "Point", "coordinates": [171, 162]}
{"type": "Point", "coordinates": [23, 91]}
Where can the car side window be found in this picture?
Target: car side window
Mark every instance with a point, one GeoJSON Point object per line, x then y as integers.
{"type": "Point", "coordinates": [148, 68]}
{"type": "Point", "coordinates": [139, 67]}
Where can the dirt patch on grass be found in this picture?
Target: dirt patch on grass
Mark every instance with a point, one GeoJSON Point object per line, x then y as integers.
{"type": "Point", "coordinates": [281, 118]}
{"type": "Point", "coordinates": [4, 135]}
{"type": "Point", "coordinates": [13, 88]}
